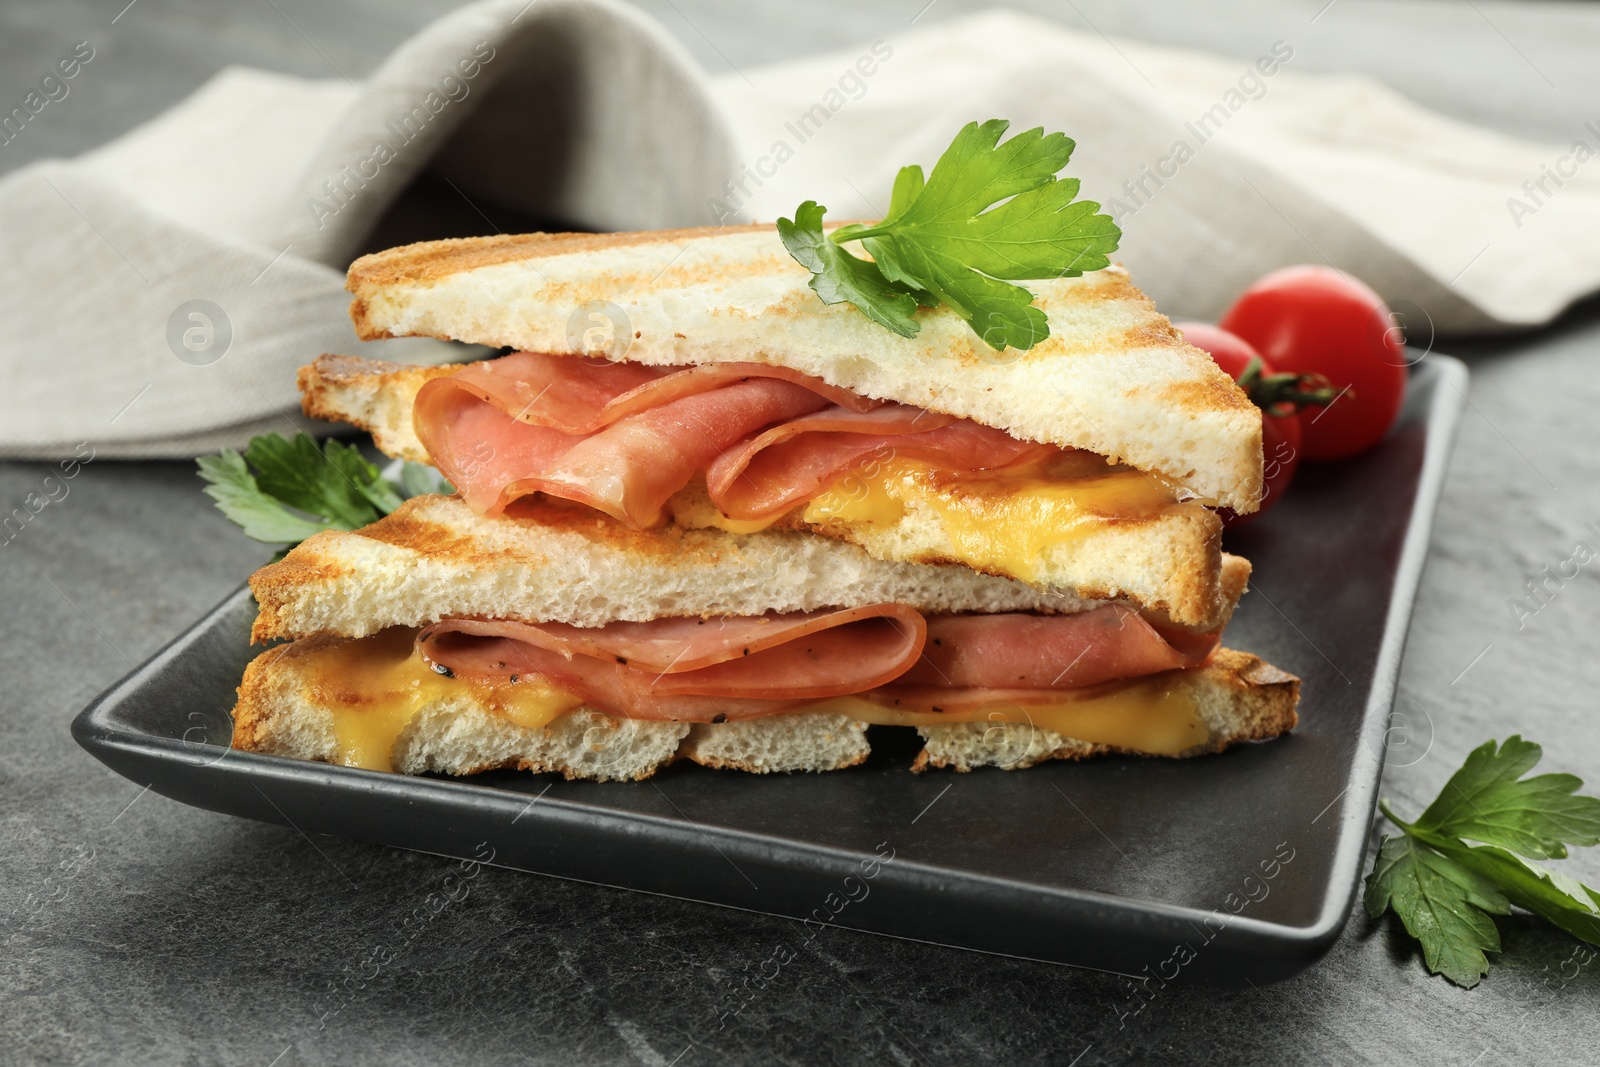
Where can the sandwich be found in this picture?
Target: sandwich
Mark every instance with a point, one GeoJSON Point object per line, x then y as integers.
{"type": "Point", "coordinates": [717, 391]}
{"type": "Point", "coordinates": [739, 497]}
{"type": "Point", "coordinates": [558, 640]}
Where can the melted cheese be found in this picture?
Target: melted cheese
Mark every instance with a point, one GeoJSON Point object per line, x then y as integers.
{"type": "Point", "coordinates": [692, 508]}
{"type": "Point", "coordinates": [374, 686]}
{"type": "Point", "coordinates": [710, 516]}
{"type": "Point", "coordinates": [1157, 716]}
{"type": "Point", "coordinates": [1002, 520]}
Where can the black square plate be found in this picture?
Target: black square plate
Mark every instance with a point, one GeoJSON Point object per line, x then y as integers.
{"type": "Point", "coordinates": [1243, 864]}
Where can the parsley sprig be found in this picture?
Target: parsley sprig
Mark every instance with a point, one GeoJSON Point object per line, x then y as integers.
{"type": "Point", "coordinates": [945, 242]}
{"type": "Point", "coordinates": [1446, 891]}
{"type": "Point", "coordinates": [282, 490]}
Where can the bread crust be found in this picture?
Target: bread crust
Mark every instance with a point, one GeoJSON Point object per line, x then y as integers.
{"type": "Point", "coordinates": [1238, 696]}
{"type": "Point", "coordinates": [1113, 377]}
{"type": "Point", "coordinates": [432, 260]}
{"type": "Point", "coordinates": [278, 713]}
{"type": "Point", "coordinates": [371, 394]}
{"type": "Point", "coordinates": [433, 558]}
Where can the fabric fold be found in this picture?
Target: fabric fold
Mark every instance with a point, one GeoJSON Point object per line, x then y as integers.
{"type": "Point", "coordinates": [160, 290]}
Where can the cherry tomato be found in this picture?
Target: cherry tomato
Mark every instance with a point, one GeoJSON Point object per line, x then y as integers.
{"type": "Point", "coordinates": [1280, 432]}
{"type": "Point", "coordinates": [1232, 352]}
{"type": "Point", "coordinates": [1316, 320]}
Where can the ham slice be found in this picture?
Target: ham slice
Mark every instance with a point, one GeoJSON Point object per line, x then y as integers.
{"type": "Point", "coordinates": [579, 396]}
{"type": "Point", "coordinates": [740, 667]}
{"type": "Point", "coordinates": [627, 469]}
{"type": "Point", "coordinates": [480, 448]}
{"type": "Point", "coordinates": [623, 438]}
{"type": "Point", "coordinates": [668, 668]}
{"type": "Point", "coordinates": [1020, 651]}
{"type": "Point", "coordinates": [770, 472]}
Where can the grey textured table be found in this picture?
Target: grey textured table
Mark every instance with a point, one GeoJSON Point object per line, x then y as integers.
{"type": "Point", "coordinates": [140, 931]}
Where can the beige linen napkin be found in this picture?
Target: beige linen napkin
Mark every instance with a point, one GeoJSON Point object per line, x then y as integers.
{"type": "Point", "coordinates": [159, 292]}
{"type": "Point", "coordinates": [1217, 169]}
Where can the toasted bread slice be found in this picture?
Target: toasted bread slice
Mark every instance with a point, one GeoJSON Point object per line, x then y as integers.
{"type": "Point", "coordinates": [370, 394]}
{"type": "Point", "coordinates": [1168, 562]}
{"type": "Point", "coordinates": [280, 713]}
{"type": "Point", "coordinates": [1113, 377]}
{"type": "Point", "coordinates": [1238, 697]}
{"type": "Point", "coordinates": [433, 559]}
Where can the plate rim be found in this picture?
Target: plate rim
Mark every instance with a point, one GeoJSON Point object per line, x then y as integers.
{"type": "Point", "coordinates": [97, 731]}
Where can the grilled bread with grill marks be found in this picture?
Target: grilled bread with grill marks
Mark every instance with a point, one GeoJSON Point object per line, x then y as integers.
{"type": "Point", "coordinates": [1112, 378]}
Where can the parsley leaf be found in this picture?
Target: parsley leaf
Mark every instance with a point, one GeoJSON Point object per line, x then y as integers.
{"type": "Point", "coordinates": [1442, 904]}
{"type": "Point", "coordinates": [419, 479]}
{"type": "Point", "coordinates": [297, 489]}
{"type": "Point", "coordinates": [1445, 890]}
{"type": "Point", "coordinates": [837, 276]}
{"type": "Point", "coordinates": [908, 186]}
{"type": "Point", "coordinates": [1551, 895]}
{"type": "Point", "coordinates": [946, 241]}
{"type": "Point", "coordinates": [1485, 801]}
{"type": "Point", "coordinates": [261, 517]}
{"type": "Point", "coordinates": [335, 481]}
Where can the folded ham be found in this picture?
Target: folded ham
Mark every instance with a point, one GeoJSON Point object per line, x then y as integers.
{"type": "Point", "coordinates": [744, 667]}
{"type": "Point", "coordinates": [666, 668]}
{"type": "Point", "coordinates": [623, 438]}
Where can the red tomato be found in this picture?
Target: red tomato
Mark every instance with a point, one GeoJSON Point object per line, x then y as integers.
{"type": "Point", "coordinates": [1232, 352]}
{"type": "Point", "coordinates": [1280, 457]}
{"type": "Point", "coordinates": [1316, 320]}
{"type": "Point", "coordinates": [1280, 433]}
